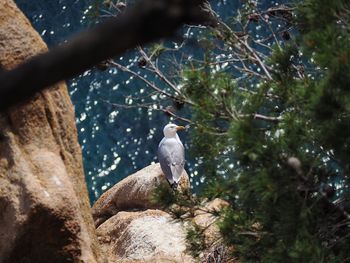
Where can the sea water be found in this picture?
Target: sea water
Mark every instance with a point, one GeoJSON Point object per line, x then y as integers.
{"type": "Point", "coordinates": [115, 141]}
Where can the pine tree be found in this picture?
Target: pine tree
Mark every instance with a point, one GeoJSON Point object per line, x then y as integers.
{"type": "Point", "coordinates": [270, 117]}
{"type": "Point", "coordinates": [289, 142]}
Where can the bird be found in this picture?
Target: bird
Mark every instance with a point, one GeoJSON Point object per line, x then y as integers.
{"type": "Point", "coordinates": [171, 154]}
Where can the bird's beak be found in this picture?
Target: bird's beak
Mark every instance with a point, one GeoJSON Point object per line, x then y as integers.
{"type": "Point", "coordinates": [179, 128]}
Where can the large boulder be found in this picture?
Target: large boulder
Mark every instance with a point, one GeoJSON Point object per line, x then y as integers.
{"type": "Point", "coordinates": [129, 227]}
{"type": "Point", "coordinates": [135, 192]}
{"type": "Point", "coordinates": [44, 207]}
{"type": "Point", "coordinates": [147, 236]}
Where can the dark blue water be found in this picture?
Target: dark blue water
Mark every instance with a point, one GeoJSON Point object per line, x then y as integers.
{"type": "Point", "coordinates": [115, 141]}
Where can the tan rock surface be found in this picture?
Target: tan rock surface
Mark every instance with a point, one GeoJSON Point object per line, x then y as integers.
{"type": "Point", "coordinates": [134, 192]}
{"type": "Point", "coordinates": [147, 236]}
{"type": "Point", "coordinates": [205, 218]}
{"type": "Point", "coordinates": [44, 208]}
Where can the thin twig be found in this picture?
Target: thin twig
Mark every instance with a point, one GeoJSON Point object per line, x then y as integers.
{"type": "Point", "coordinates": [157, 71]}
{"type": "Point", "coordinates": [150, 84]}
{"type": "Point", "coordinates": [147, 21]}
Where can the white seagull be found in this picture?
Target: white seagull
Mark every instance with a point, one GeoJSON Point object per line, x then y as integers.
{"type": "Point", "coordinates": [171, 154]}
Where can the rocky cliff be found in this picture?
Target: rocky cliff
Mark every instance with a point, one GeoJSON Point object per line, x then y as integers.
{"type": "Point", "coordinates": [44, 208]}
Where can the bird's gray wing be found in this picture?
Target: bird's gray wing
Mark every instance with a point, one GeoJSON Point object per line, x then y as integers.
{"type": "Point", "coordinates": [171, 156]}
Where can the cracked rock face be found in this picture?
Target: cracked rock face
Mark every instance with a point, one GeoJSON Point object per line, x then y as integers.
{"type": "Point", "coordinates": [44, 207]}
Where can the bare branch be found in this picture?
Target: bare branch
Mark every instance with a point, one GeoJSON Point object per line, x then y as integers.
{"type": "Point", "coordinates": [244, 43]}
{"type": "Point", "coordinates": [157, 71]}
{"type": "Point", "coordinates": [262, 117]}
{"type": "Point", "coordinates": [150, 84]}
{"type": "Point", "coordinates": [269, 95]}
{"type": "Point", "coordinates": [149, 20]}
{"type": "Point", "coordinates": [149, 106]}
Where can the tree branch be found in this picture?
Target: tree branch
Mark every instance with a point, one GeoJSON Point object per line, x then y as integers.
{"type": "Point", "coordinates": [262, 117]}
{"type": "Point", "coordinates": [150, 84]}
{"type": "Point", "coordinates": [147, 21]}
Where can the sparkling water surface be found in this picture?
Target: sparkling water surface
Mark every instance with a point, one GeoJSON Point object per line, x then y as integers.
{"type": "Point", "coordinates": [115, 141]}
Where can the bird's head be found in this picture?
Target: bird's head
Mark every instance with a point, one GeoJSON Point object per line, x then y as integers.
{"type": "Point", "coordinates": [171, 129]}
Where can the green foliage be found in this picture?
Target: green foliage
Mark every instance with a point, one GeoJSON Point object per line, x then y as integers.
{"type": "Point", "coordinates": [156, 50]}
{"type": "Point", "coordinates": [274, 169]}
{"type": "Point", "coordinates": [195, 241]}
{"type": "Point", "coordinates": [164, 195]}
{"type": "Point", "coordinates": [167, 197]}
{"type": "Point", "coordinates": [279, 209]}
{"type": "Point", "coordinates": [213, 106]}
{"type": "Point", "coordinates": [327, 39]}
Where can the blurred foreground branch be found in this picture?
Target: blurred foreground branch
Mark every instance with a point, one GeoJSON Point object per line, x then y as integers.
{"type": "Point", "coordinates": [147, 21]}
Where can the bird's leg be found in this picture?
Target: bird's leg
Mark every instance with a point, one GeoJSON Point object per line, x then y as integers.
{"type": "Point", "coordinates": [174, 185]}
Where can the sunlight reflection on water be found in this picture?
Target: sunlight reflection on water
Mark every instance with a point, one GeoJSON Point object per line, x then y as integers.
{"type": "Point", "coordinates": [115, 142]}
